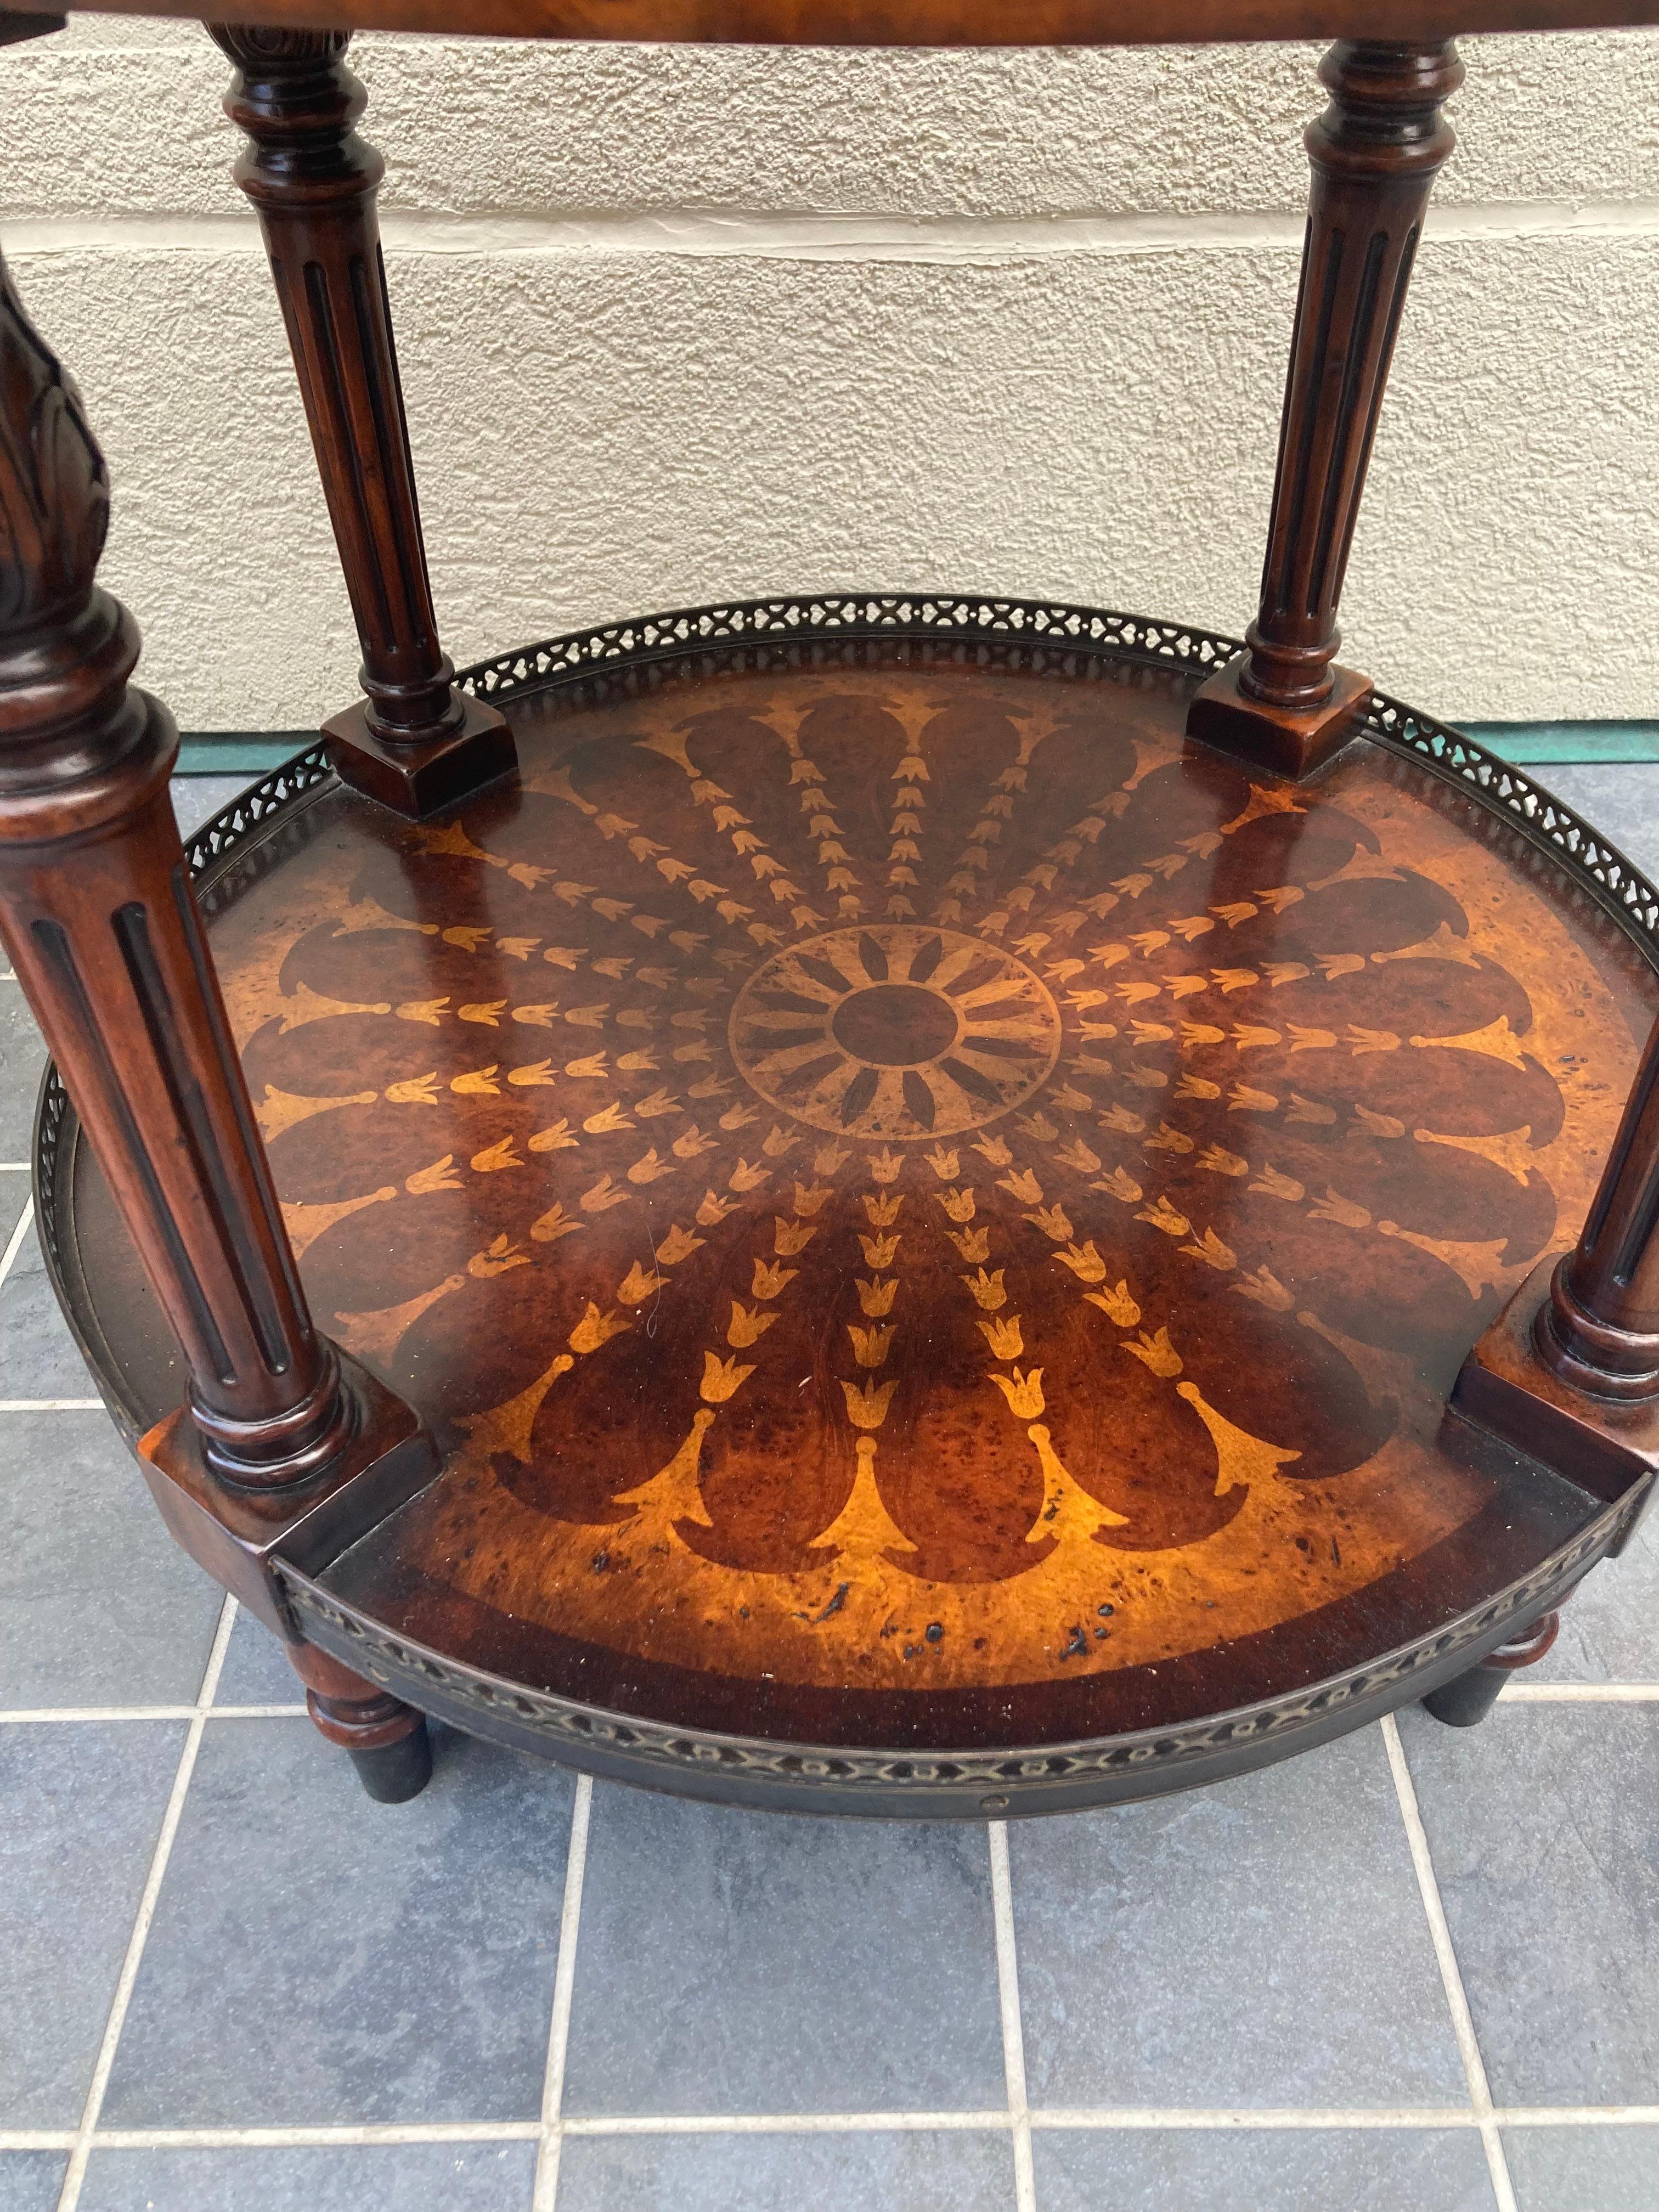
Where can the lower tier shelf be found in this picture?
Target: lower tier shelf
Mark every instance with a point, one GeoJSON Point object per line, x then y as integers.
{"type": "Point", "coordinates": [933, 1221]}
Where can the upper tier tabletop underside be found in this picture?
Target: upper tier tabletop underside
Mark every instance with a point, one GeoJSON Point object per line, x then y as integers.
{"type": "Point", "coordinates": [930, 22]}
{"type": "Point", "coordinates": [918, 1208]}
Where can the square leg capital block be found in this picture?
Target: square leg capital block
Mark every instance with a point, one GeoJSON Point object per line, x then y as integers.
{"type": "Point", "coordinates": [1604, 1445]}
{"type": "Point", "coordinates": [416, 780]}
{"type": "Point", "coordinates": [238, 1535]}
{"type": "Point", "coordinates": [1277, 738]}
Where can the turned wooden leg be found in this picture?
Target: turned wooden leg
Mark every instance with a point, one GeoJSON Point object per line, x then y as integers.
{"type": "Point", "coordinates": [1568, 1372]}
{"type": "Point", "coordinates": [387, 1739]}
{"type": "Point", "coordinates": [414, 742]}
{"type": "Point", "coordinates": [1469, 1697]}
{"type": "Point", "coordinates": [1283, 704]}
{"type": "Point", "coordinates": [287, 1447]}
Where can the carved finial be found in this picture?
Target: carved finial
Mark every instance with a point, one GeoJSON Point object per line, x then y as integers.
{"type": "Point", "coordinates": [54, 487]}
{"type": "Point", "coordinates": [259, 46]}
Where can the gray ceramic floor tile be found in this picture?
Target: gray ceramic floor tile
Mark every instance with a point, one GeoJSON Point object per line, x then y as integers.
{"type": "Point", "coordinates": [381, 2177]}
{"type": "Point", "coordinates": [256, 1671]}
{"type": "Point", "coordinates": [317, 1957]}
{"type": "Point", "coordinates": [38, 1355]}
{"type": "Point", "coordinates": [946, 2171]}
{"type": "Point", "coordinates": [1269, 2170]}
{"type": "Point", "coordinates": [83, 1802]}
{"type": "Point", "coordinates": [102, 1606]}
{"type": "Point", "coordinates": [1542, 1823]}
{"type": "Point", "coordinates": [1259, 1942]}
{"type": "Point", "coordinates": [22, 1058]}
{"type": "Point", "coordinates": [1601, 2169]}
{"type": "Point", "coordinates": [197, 797]}
{"type": "Point", "coordinates": [14, 1197]}
{"type": "Point", "coordinates": [1621, 799]}
{"type": "Point", "coordinates": [30, 2180]}
{"type": "Point", "coordinates": [1610, 1624]}
{"type": "Point", "coordinates": [740, 1962]}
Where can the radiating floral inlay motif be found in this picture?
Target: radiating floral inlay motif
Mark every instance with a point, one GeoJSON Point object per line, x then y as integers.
{"type": "Point", "coordinates": [900, 1174]}
{"type": "Point", "coordinates": [895, 1031]}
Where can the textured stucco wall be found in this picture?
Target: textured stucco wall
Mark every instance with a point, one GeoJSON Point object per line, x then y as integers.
{"type": "Point", "coordinates": [685, 323]}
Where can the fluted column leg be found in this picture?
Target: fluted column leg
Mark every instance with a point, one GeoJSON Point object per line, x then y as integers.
{"type": "Point", "coordinates": [414, 742]}
{"type": "Point", "coordinates": [287, 1448]}
{"type": "Point", "coordinates": [1568, 1372]}
{"type": "Point", "coordinates": [1283, 704]}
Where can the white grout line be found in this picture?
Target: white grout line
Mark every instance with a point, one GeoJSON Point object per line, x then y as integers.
{"type": "Point", "coordinates": [14, 1243]}
{"type": "Point", "coordinates": [27, 1717]}
{"type": "Point", "coordinates": [1248, 2117]}
{"type": "Point", "coordinates": [1474, 2067]}
{"type": "Point", "coordinates": [1579, 2115]}
{"type": "Point", "coordinates": [1013, 2032]}
{"type": "Point", "coordinates": [564, 1984]}
{"type": "Point", "coordinates": [482, 2131]}
{"type": "Point", "coordinates": [76, 2175]}
{"type": "Point", "coordinates": [12, 1167]}
{"type": "Point", "coordinates": [1084, 2118]}
{"type": "Point", "coordinates": [785, 2123]}
{"type": "Point", "coordinates": [1579, 1694]}
{"type": "Point", "coordinates": [51, 1405]}
{"type": "Point", "coordinates": [704, 233]}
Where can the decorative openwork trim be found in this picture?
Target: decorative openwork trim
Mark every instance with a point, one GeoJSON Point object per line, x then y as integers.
{"type": "Point", "coordinates": [1599, 867]}
{"type": "Point", "coordinates": [1023, 623]}
{"type": "Point", "coordinates": [1065, 632]}
{"type": "Point", "coordinates": [232, 825]}
{"type": "Point", "coordinates": [1063, 637]}
{"type": "Point", "coordinates": [406, 1667]}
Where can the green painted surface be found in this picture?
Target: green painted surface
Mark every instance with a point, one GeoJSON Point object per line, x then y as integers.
{"type": "Point", "coordinates": [234, 756]}
{"type": "Point", "coordinates": [1536, 744]}
{"type": "Point", "coordinates": [1527, 744]}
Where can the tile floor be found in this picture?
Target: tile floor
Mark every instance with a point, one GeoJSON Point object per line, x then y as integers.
{"type": "Point", "coordinates": [1415, 1972]}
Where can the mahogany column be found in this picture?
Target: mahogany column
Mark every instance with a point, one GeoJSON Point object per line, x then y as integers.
{"type": "Point", "coordinates": [1568, 1372]}
{"type": "Point", "coordinates": [287, 1445]}
{"type": "Point", "coordinates": [1284, 705]}
{"type": "Point", "coordinates": [415, 743]}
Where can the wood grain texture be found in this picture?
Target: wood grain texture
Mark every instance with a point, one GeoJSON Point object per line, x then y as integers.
{"type": "Point", "coordinates": [100, 924]}
{"type": "Point", "coordinates": [1375, 153]}
{"type": "Point", "coordinates": [922, 1209]}
{"type": "Point", "coordinates": [933, 22]}
{"type": "Point", "coordinates": [416, 742]}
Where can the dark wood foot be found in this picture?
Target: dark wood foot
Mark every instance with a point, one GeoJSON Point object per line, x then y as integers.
{"type": "Point", "coordinates": [392, 1773]}
{"type": "Point", "coordinates": [1469, 1697]}
{"type": "Point", "coordinates": [387, 1739]}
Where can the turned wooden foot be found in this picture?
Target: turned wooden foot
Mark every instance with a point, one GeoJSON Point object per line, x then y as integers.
{"type": "Point", "coordinates": [388, 1740]}
{"type": "Point", "coordinates": [1469, 1697]}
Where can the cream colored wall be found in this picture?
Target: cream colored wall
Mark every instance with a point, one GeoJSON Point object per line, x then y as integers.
{"type": "Point", "coordinates": [677, 324]}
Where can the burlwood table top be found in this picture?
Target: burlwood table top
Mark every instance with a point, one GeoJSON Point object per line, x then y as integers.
{"type": "Point", "coordinates": [923, 1209]}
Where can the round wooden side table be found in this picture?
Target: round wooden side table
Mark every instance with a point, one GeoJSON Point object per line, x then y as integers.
{"type": "Point", "coordinates": [896, 1203]}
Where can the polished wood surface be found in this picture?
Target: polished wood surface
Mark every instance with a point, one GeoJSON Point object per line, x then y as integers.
{"type": "Point", "coordinates": [414, 742]}
{"type": "Point", "coordinates": [922, 1209]}
{"type": "Point", "coordinates": [933, 1221]}
{"type": "Point", "coordinates": [99, 919]}
{"type": "Point", "coordinates": [932, 22]}
{"type": "Point", "coordinates": [1375, 152]}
